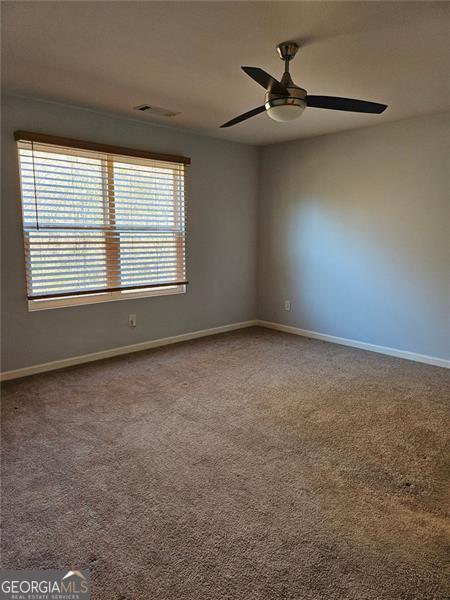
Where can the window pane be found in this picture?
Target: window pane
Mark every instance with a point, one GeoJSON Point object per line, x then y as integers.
{"type": "Point", "coordinates": [150, 258]}
{"type": "Point", "coordinates": [145, 196]}
{"type": "Point", "coordinates": [62, 190]}
{"type": "Point", "coordinates": [61, 262]}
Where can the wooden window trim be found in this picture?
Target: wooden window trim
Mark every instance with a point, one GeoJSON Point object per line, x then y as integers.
{"type": "Point", "coordinates": [29, 136]}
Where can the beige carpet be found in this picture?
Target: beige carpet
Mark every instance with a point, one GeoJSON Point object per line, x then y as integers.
{"type": "Point", "coordinates": [254, 465]}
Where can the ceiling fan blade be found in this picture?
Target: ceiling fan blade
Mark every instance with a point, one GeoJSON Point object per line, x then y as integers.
{"type": "Point", "coordinates": [267, 81]}
{"type": "Point", "coordinates": [348, 104]}
{"type": "Point", "coordinates": [245, 116]}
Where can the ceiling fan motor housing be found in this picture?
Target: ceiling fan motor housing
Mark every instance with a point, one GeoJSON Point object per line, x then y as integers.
{"type": "Point", "coordinates": [297, 95]}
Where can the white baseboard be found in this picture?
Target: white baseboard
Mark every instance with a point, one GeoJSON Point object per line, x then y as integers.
{"type": "Point", "coordinates": [84, 358]}
{"type": "Point", "coordinates": [429, 360]}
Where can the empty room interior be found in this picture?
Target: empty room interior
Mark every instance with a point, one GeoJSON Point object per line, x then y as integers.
{"type": "Point", "coordinates": [225, 300]}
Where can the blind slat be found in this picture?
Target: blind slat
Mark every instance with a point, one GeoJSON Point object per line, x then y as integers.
{"type": "Point", "coordinates": [29, 174]}
{"type": "Point", "coordinates": [55, 273]}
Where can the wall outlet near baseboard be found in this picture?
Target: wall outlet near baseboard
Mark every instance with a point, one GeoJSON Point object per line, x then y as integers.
{"type": "Point", "coordinates": [131, 320]}
{"type": "Point", "coordinates": [287, 305]}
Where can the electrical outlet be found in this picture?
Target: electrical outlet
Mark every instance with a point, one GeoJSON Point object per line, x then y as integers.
{"type": "Point", "coordinates": [131, 320]}
{"type": "Point", "coordinates": [287, 305]}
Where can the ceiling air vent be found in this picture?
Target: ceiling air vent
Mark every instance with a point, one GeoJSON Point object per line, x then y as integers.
{"type": "Point", "coordinates": [156, 110]}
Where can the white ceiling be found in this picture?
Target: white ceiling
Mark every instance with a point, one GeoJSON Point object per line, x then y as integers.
{"type": "Point", "coordinates": [186, 56]}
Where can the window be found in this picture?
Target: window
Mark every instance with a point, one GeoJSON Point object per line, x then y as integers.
{"type": "Point", "coordinates": [100, 223]}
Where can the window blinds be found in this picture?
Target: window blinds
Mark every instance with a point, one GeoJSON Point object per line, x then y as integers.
{"type": "Point", "coordinates": [100, 221]}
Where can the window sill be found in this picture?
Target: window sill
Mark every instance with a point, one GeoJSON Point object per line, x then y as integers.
{"type": "Point", "coordinates": [34, 305]}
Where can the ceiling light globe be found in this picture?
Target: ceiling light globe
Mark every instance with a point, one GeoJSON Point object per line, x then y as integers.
{"type": "Point", "coordinates": [285, 112]}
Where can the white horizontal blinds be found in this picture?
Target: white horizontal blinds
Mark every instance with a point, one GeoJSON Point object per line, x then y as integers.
{"type": "Point", "coordinates": [96, 222]}
{"type": "Point", "coordinates": [149, 216]}
{"type": "Point", "coordinates": [65, 219]}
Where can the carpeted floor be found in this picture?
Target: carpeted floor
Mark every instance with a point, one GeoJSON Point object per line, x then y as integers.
{"type": "Point", "coordinates": [254, 465]}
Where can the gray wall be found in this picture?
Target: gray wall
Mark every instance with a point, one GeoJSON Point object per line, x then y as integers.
{"type": "Point", "coordinates": [354, 230]}
{"type": "Point", "coordinates": [221, 207]}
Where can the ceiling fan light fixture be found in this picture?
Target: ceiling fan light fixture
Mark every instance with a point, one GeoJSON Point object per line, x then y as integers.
{"type": "Point", "coordinates": [285, 112]}
{"type": "Point", "coordinates": [283, 109]}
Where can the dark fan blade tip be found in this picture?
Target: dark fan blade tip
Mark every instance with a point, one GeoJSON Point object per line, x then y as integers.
{"type": "Point", "coordinates": [244, 116]}
{"type": "Point", "coordinates": [267, 81]}
{"type": "Point", "coordinates": [346, 104]}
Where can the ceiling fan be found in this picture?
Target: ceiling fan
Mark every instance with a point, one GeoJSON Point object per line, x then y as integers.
{"type": "Point", "coordinates": [285, 101]}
